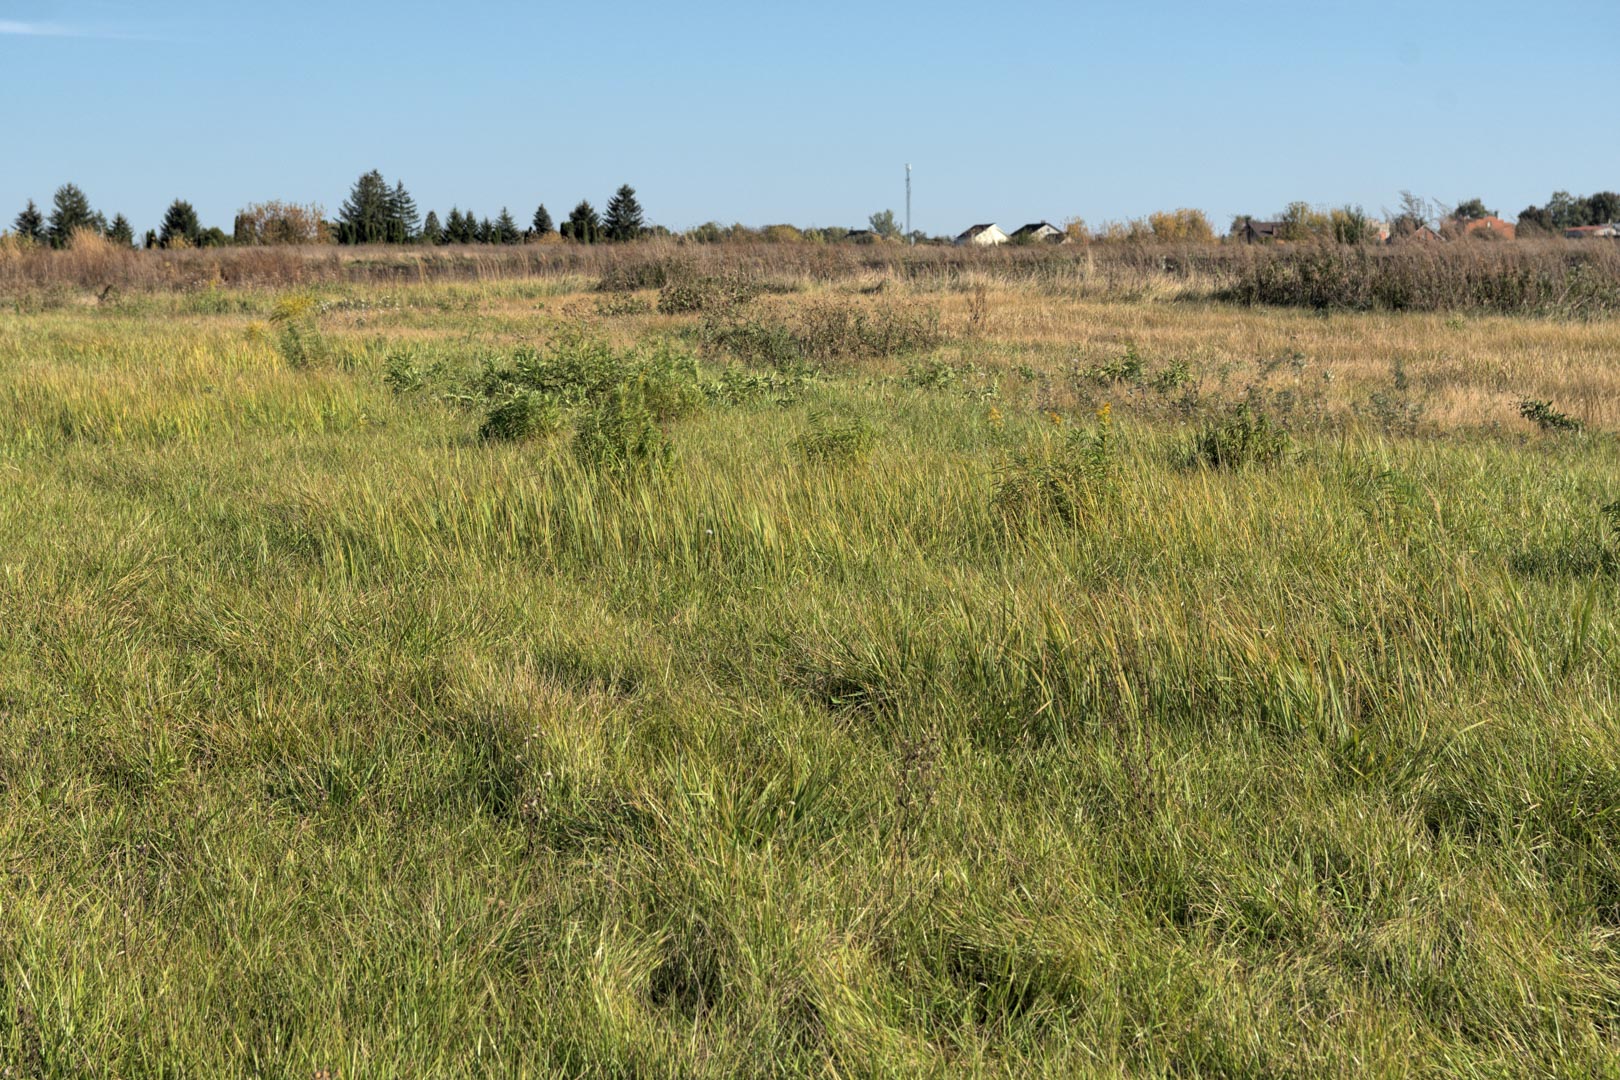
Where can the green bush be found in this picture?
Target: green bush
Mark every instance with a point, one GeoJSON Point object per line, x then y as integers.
{"type": "Point", "coordinates": [534, 391]}
{"type": "Point", "coordinates": [1243, 437]}
{"type": "Point", "coordinates": [752, 340]}
{"type": "Point", "coordinates": [298, 338]}
{"type": "Point", "coordinates": [521, 414]}
{"type": "Point", "coordinates": [1064, 478]}
{"type": "Point", "coordinates": [621, 432]}
{"type": "Point", "coordinates": [831, 439]}
{"type": "Point", "coordinates": [1544, 416]}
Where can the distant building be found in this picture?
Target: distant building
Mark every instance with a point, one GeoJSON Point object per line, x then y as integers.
{"type": "Point", "coordinates": [1489, 226]}
{"type": "Point", "coordinates": [1260, 232]}
{"type": "Point", "coordinates": [1040, 231]}
{"type": "Point", "coordinates": [1587, 232]}
{"type": "Point", "coordinates": [983, 236]}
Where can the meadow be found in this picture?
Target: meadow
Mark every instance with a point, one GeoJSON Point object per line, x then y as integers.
{"type": "Point", "coordinates": [692, 666]}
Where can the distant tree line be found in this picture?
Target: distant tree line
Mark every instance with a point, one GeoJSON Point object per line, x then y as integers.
{"type": "Point", "coordinates": [374, 213]}
{"type": "Point", "coordinates": [377, 212]}
{"type": "Point", "coordinates": [1566, 211]}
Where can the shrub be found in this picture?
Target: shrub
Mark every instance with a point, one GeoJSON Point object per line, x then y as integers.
{"type": "Point", "coordinates": [1243, 437]}
{"type": "Point", "coordinates": [1544, 416]}
{"type": "Point", "coordinates": [753, 340]}
{"type": "Point", "coordinates": [401, 375]}
{"type": "Point", "coordinates": [609, 307]}
{"type": "Point", "coordinates": [1126, 369]}
{"type": "Point", "coordinates": [299, 338]}
{"type": "Point", "coordinates": [535, 391]}
{"type": "Point", "coordinates": [621, 432]}
{"type": "Point", "coordinates": [521, 414]}
{"type": "Point", "coordinates": [835, 440]}
{"type": "Point", "coordinates": [1060, 478]}
{"type": "Point", "coordinates": [841, 330]}
{"type": "Point", "coordinates": [684, 294]}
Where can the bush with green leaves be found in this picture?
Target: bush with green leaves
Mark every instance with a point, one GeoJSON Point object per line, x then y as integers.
{"type": "Point", "coordinates": [521, 414]}
{"type": "Point", "coordinates": [836, 439]}
{"type": "Point", "coordinates": [298, 336]}
{"type": "Point", "coordinates": [753, 340]}
{"type": "Point", "coordinates": [1066, 478]}
{"type": "Point", "coordinates": [535, 391]}
{"type": "Point", "coordinates": [1243, 437]}
{"type": "Point", "coordinates": [621, 432]}
{"type": "Point", "coordinates": [1544, 416]}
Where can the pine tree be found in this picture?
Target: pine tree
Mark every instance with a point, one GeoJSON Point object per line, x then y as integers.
{"type": "Point", "coordinates": [431, 232]}
{"type": "Point", "coordinates": [70, 212]}
{"type": "Point", "coordinates": [120, 232]}
{"type": "Point", "coordinates": [404, 223]}
{"type": "Point", "coordinates": [365, 215]}
{"type": "Point", "coordinates": [542, 222]}
{"type": "Point", "coordinates": [486, 232]}
{"type": "Point", "coordinates": [583, 224]}
{"type": "Point", "coordinates": [150, 240]}
{"type": "Point", "coordinates": [624, 220]}
{"type": "Point", "coordinates": [179, 222]}
{"type": "Point", "coordinates": [30, 224]}
{"type": "Point", "coordinates": [506, 230]}
{"type": "Point", "coordinates": [452, 227]}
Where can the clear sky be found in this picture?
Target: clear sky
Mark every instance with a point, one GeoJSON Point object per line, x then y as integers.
{"type": "Point", "coordinates": [784, 110]}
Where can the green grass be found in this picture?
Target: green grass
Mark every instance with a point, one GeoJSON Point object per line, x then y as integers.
{"type": "Point", "coordinates": [336, 737]}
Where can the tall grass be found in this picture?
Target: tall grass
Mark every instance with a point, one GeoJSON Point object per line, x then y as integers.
{"type": "Point", "coordinates": [911, 718]}
{"type": "Point", "coordinates": [1551, 277]}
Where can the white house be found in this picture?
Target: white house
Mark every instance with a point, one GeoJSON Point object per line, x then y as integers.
{"type": "Point", "coordinates": [983, 236]}
{"type": "Point", "coordinates": [1040, 232]}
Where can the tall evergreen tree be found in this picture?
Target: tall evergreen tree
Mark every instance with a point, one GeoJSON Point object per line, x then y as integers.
{"type": "Point", "coordinates": [542, 222]}
{"type": "Point", "coordinates": [432, 233]}
{"type": "Point", "coordinates": [404, 223]}
{"type": "Point", "coordinates": [453, 227]}
{"type": "Point", "coordinates": [70, 212]}
{"type": "Point", "coordinates": [506, 230]}
{"type": "Point", "coordinates": [583, 224]}
{"type": "Point", "coordinates": [485, 233]}
{"type": "Point", "coordinates": [624, 220]}
{"type": "Point", "coordinates": [120, 232]}
{"type": "Point", "coordinates": [179, 222]}
{"type": "Point", "coordinates": [366, 214]}
{"type": "Point", "coordinates": [30, 224]}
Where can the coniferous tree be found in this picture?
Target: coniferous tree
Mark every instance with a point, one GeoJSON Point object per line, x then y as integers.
{"type": "Point", "coordinates": [179, 222]}
{"type": "Point", "coordinates": [432, 233]}
{"type": "Point", "coordinates": [583, 224]}
{"type": "Point", "coordinates": [70, 212]}
{"type": "Point", "coordinates": [404, 223]}
{"type": "Point", "coordinates": [486, 232]}
{"type": "Point", "coordinates": [30, 224]}
{"type": "Point", "coordinates": [366, 214]}
{"type": "Point", "coordinates": [120, 232]}
{"type": "Point", "coordinates": [542, 222]}
{"type": "Point", "coordinates": [624, 220]}
{"type": "Point", "coordinates": [150, 240]}
{"type": "Point", "coordinates": [506, 230]}
{"type": "Point", "coordinates": [453, 227]}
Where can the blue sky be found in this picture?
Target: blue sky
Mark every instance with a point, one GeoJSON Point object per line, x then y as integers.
{"type": "Point", "coordinates": [808, 112]}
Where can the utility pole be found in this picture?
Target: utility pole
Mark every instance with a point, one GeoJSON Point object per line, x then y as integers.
{"type": "Point", "coordinates": [909, 238]}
